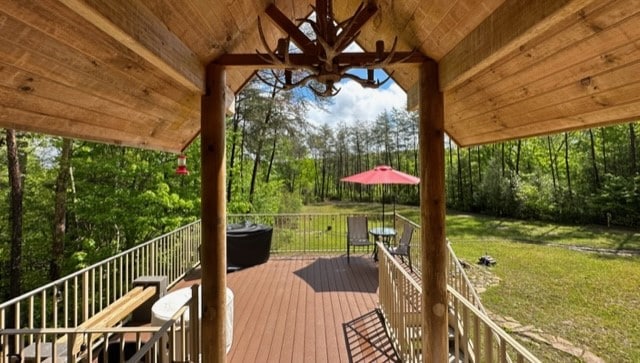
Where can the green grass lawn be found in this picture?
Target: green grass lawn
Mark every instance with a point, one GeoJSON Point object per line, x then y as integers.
{"type": "Point", "coordinates": [589, 299]}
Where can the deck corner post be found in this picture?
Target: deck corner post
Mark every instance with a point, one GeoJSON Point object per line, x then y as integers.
{"type": "Point", "coordinates": [213, 249]}
{"type": "Point", "coordinates": [432, 217]}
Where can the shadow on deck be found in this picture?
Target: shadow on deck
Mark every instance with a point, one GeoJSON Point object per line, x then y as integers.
{"type": "Point", "coordinates": [318, 309]}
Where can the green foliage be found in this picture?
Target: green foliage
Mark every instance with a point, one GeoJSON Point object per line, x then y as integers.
{"type": "Point", "coordinates": [535, 191]}
{"type": "Point", "coordinates": [618, 201]}
{"type": "Point", "coordinates": [267, 198]}
{"type": "Point", "coordinates": [497, 195]}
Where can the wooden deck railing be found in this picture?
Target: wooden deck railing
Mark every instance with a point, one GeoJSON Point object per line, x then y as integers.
{"type": "Point", "coordinates": [61, 307]}
{"type": "Point", "coordinates": [474, 337]}
{"type": "Point", "coordinates": [456, 278]}
{"type": "Point", "coordinates": [317, 233]}
{"type": "Point", "coordinates": [74, 299]}
{"type": "Point", "coordinates": [171, 342]}
{"type": "Point", "coordinates": [400, 304]}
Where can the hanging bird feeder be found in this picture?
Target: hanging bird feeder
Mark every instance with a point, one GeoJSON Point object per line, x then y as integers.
{"type": "Point", "coordinates": [182, 165]}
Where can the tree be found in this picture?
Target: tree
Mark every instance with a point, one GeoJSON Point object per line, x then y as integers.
{"type": "Point", "coordinates": [15, 214]}
{"type": "Point", "coordinates": [632, 149]}
{"type": "Point", "coordinates": [60, 211]}
{"type": "Point", "coordinates": [594, 163]}
{"type": "Point", "coordinates": [566, 163]}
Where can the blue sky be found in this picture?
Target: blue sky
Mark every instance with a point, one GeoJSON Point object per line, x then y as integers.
{"type": "Point", "coordinates": [355, 103]}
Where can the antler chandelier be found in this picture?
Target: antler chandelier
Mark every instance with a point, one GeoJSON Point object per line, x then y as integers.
{"type": "Point", "coordinates": [325, 67]}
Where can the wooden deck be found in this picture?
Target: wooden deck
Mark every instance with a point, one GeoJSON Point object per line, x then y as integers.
{"type": "Point", "coordinates": [313, 309]}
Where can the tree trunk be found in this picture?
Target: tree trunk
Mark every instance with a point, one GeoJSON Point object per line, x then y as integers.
{"type": "Point", "coordinates": [358, 163]}
{"type": "Point", "coordinates": [256, 161]}
{"type": "Point", "coordinates": [60, 211]}
{"type": "Point", "coordinates": [254, 172]}
{"type": "Point", "coordinates": [232, 156]}
{"type": "Point", "coordinates": [398, 151]}
{"type": "Point", "coordinates": [452, 190]}
{"type": "Point", "coordinates": [632, 148]}
{"type": "Point", "coordinates": [271, 157]}
{"type": "Point", "coordinates": [15, 215]}
{"type": "Point", "coordinates": [594, 163]}
{"type": "Point", "coordinates": [566, 163]}
{"type": "Point", "coordinates": [519, 148]}
{"type": "Point", "coordinates": [324, 178]}
{"type": "Point", "coordinates": [552, 165]}
{"type": "Point", "coordinates": [316, 175]}
{"type": "Point", "coordinates": [243, 138]}
{"type": "Point", "coordinates": [460, 191]}
{"type": "Point", "coordinates": [604, 150]}
{"type": "Point", "coordinates": [470, 175]}
{"type": "Point", "coordinates": [502, 157]}
{"type": "Point", "coordinates": [479, 165]}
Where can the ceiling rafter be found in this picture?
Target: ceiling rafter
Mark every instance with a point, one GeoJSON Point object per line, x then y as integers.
{"type": "Point", "coordinates": [297, 36]}
{"type": "Point", "coordinates": [136, 27]}
{"type": "Point", "coordinates": [359, 20]}
{"type": "Point", "coordinates": [357, 60]}
{"type": "Point", "coordinates": [511, 25]}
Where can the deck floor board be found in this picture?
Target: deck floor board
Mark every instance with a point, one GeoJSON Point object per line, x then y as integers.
{"type": "Point", "coordinates": [295, 309]}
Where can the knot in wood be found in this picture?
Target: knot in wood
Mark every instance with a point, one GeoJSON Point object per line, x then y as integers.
{"type": "Point", "coordinates": [586, 81]}
{"type": "Point", "coordinates": [439, 310]}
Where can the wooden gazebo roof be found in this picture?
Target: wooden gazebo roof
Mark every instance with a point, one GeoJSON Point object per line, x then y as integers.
{"type": "Point", "coordinates": [131, 72]}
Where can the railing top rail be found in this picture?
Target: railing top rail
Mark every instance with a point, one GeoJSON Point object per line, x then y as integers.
{"type": "Point", "coordinates": [472, 290]}
{"type": "Point", "coordinates": [407, 220]}
{"type": "Point", "coordinates": [61, 331]}
{"type": "Point", "coordinates": [493, 326]}
{"type": "Point", "coordinates": [61, 280]}
{"type": "Point", "coordinates": [304, 214]}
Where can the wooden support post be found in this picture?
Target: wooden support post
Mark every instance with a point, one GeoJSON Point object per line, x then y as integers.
{"type": "Point", "coordinates": [432, 217]}
{"type": "Point", "coordinates": [213, 249]}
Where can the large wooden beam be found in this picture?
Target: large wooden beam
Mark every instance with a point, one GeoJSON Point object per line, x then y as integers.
{"type": "Point", "coordinates": [358, 21]}
{"type": "Point", "coordinates": [213, 256]}
{"type": "Point", "coordinates": [136, 27]}
{"type": "Point", "coordinates": [297, 36]}
{"type": "Point", "coordinates": [432, 217]}
{"type": "Point", "coordinates": [355, 59]}
{"type": "Point", "coordinates": [512, 24]}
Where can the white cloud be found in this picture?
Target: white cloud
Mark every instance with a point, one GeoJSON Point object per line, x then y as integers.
{"type": "Point", "coordinates": [355, 103]}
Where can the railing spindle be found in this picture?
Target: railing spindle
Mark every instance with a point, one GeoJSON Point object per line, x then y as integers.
{"type": "Point", "coordinates": [93, 292]}
{"type": "Point", "coordinates": [43, 309]}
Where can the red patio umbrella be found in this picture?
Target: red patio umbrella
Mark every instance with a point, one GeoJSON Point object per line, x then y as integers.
{"type": "Point", "coordinates": [381, 174]}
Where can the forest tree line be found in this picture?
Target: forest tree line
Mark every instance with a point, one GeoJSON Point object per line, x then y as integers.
{"type": "Point", "coordinates": [67, 203]}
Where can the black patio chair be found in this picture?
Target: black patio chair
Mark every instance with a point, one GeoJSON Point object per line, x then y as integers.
{"type": "Point", "coordinates": [404, 246]}
{"type": "Point", "coordinates": [357, 233]}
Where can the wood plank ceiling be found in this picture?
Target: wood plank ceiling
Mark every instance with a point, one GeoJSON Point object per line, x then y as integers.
{"type": "Point", "coordinates": [130, 72]}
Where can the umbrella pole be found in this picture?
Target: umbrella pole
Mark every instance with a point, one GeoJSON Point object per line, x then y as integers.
{"type": "Point", "coordinates": [395, 195]}
{"type": "Point", "coordinates": [382, 205]}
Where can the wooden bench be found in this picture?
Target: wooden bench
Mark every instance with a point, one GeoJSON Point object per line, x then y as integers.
{"type": "Point", "coordinates": [112, 315]}
{"type": "Point", "coordinates": [109, 317]}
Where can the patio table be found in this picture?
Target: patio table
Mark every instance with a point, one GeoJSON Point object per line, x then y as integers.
{"type": "Point", "coordinates": [384, 234]}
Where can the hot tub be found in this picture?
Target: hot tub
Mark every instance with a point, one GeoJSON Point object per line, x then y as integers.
{"type": "Point", "coordinates": [248, 244]}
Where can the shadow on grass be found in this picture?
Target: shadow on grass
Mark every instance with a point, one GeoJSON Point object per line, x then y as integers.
{"type": "Point", "coordinates": [615, 257]}
{"type": "Point", "coordinates": [471, 226]}
{"type": "Point", "coordinates": [624, 244]}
